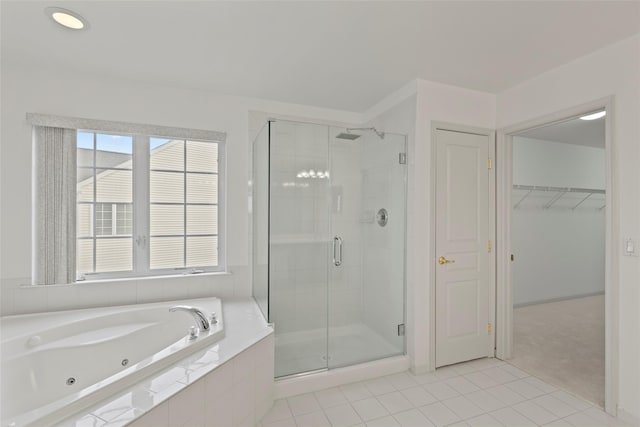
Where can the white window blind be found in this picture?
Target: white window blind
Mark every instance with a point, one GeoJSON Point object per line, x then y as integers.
{"type": "Point", "coordinates": [54, 196]}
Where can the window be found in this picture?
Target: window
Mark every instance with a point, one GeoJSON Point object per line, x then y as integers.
{"type": "Point", "coordinates": [146, 205]}
{"type": "Point", "coordinates": [103, 219]}
{"type": "Point", "coordinates": [183, 203]}
{"type": "Point", "coordinates": [114, 219]}
{"type": "Point", "coordinates": [123, 218]}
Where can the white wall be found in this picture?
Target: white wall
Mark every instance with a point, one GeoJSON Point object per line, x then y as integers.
{"type": "Point", "coordinates": [434, 102]}
{"type": "Point", "coordinates": [559, 252]}
{"type": "Point", "coordinates": [27, 90]}
{"type": "Point", "coordinates": [612, 71]}
{"type": "Point", "coordinates": [555, 164]}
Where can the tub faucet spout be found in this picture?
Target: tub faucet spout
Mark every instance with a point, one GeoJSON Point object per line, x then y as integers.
{"type": "Point", "coordinates": [198, 315]}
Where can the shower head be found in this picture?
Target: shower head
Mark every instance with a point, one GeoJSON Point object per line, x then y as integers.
{"type": "Point", "coordinates": [347, 135]}
{"type": "Point", "coordinates": [351, 136]}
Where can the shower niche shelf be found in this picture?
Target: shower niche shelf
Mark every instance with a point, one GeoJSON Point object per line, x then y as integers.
{"type": "Point", "coordinates": [298, 239]}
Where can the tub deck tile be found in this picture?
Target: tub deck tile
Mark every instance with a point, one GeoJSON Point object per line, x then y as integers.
{"type": "Point", "coordinates": [86, 421]}
{"type": "Point", "coordinates": [125, 418]}
{"type": "Point", "coordinates": [114, 408]}
{"type": "Point", "coordinates": [166, 379]}
{"type": "Point", "coordinates": [144, 400]}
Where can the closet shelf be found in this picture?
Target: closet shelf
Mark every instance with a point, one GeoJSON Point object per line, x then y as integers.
{"type": "Point", "coordinates": [560, 192]}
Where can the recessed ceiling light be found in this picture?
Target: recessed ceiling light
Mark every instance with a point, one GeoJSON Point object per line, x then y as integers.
{"type": "Point", "coordinates": [66, 18]}
{"type": "Point", "coordinates": [594, 115]}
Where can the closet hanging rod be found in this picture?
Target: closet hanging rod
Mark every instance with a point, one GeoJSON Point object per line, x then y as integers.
{"type": "Point", "coordinates": [558, 189]}
{"type": "Point", "coordinates": [560, 192]}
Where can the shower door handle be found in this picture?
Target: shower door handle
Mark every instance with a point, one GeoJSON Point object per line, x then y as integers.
{"type": "Point", "coordinates": [337, 251]}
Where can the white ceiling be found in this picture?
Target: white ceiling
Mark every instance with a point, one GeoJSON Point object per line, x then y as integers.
{"type": "Point", "coordinates": [580, 132]}
{"type": "Point", "coordinates": [343, 55]}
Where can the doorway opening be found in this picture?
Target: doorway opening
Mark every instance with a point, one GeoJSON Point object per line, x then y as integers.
{"type": "Point", "coordinates": [555, 296]}
{"type": "Point", "coordinates": [558, 242]}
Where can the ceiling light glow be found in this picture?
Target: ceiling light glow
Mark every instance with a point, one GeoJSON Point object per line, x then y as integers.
{"type": "Point", "coordinates": [66, 18]}
{"type": "Point", "coordinates": [594, 116]}
{"type": "Point", "coordinates": [313, 174]}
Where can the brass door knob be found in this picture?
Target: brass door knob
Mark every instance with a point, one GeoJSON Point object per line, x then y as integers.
{"type": "Point", "coordinates": [443, 260]}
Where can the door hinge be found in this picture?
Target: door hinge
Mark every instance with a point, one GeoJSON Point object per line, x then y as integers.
{"type": "Point", "coordinates": [488, 328]}
{"type": "Point", "coordinates": [489, 246]}
{"type": "Point", "coordinates": [401, 330]}
{"type": "Point", "coordinates": [402, 158]}
{"type": "Point", "coordinates": [489, 164]}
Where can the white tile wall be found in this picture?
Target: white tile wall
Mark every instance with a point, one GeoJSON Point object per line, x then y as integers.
{"type": "Point", "coordinates": [237, 393]}
{"type": "Point", "coordinates": [17, 297]}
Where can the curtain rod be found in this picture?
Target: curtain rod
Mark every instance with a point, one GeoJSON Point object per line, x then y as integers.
{"type": "Point", "coordinates": [37, 119]}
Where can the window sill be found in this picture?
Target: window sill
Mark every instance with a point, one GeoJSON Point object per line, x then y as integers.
{"type": "Point", "coordinates": [132, 278]}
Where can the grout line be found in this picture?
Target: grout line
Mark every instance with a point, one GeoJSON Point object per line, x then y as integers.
{"type": "Point", "coordinates": [441, 401]}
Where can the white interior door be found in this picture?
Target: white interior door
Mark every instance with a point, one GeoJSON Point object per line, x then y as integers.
{"type": "Point", "coordinates": [462, 247]}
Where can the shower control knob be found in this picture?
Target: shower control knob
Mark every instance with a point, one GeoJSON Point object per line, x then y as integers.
{"type": "Point", "coordinates": [382, 217]}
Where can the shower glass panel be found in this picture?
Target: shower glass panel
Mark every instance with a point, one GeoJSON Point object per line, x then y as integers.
{"type": "Point", "coordinates": [298, 239]}
{"type": "Point", "coordinates": [328, 263]}
{"type": "Point", "coordinates": [260, 219]}
{"type": "Point", "coordinates": [366, 284]}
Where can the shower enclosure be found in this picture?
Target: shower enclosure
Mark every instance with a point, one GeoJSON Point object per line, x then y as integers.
{"type": "Point", "coordinates": [328, 233]}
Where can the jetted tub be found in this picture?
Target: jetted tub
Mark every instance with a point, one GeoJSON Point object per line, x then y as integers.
{"type": "Point", "coordinates": [55, 364]}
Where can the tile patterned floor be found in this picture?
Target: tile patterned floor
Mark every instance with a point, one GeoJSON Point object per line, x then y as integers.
{"type": "Point", "coordinates": [484, 392]}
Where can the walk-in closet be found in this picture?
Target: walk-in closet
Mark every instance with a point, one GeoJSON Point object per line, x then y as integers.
{"type": "Point", "coordinates": [558, 243]}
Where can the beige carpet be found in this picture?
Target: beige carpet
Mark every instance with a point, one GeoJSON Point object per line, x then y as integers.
{"type": "Point", "coordinates": [563, 343]}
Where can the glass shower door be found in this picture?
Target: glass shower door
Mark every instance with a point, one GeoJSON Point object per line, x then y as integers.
{"type": "Point", "coordinates": [298, 241]}
{"type": "Point", "coordinates": [367, 248]}
{"type": "Point", "coordinates": [336, 244]}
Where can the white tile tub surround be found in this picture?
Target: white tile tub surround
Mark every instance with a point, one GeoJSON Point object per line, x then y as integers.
{"type": "Point", "coordinates": [18, 297]}
{"type": "Point", "coordinates": [483, 392]}
{"type": "Point", "coordinates": [229, 384]}
{"type": "Point", "coordinates": [89, 345]}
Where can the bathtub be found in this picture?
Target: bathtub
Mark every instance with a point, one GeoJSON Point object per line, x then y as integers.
{"type": "Point", "coordinates": [54, 364]}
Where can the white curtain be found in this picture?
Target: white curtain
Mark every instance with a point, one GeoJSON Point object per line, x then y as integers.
{"type": "Point", "coordinates": [55, 203]}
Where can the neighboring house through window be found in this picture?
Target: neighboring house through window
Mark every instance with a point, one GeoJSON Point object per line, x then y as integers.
{"type": "Point", "coordinates": [146, 205]}
{"type": "Point", "coordinates": [114, 219]}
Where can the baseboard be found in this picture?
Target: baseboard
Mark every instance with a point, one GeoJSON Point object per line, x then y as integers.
{"type": "Point", "coordinates": [420, 370]}
{"type": "Point", "coordinates": [334, 377]}
{"type": "Point", "coordinates": [545, 301]}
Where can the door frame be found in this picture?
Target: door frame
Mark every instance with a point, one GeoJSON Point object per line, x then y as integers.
{"type": "Point", "coordinates": [491, 134]}
{"type": "Point", "coordinates": [504, 289]}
